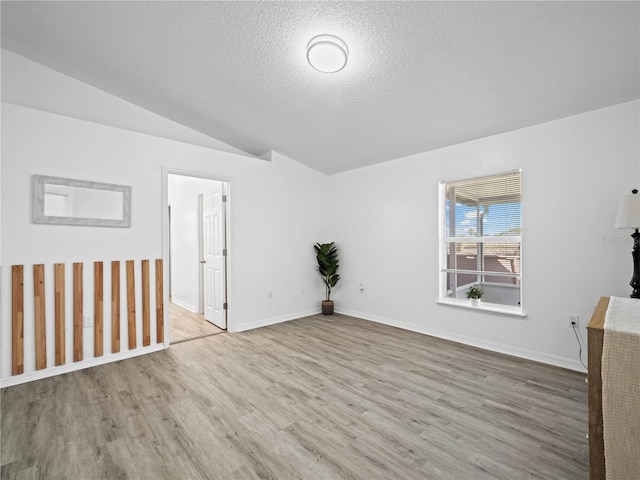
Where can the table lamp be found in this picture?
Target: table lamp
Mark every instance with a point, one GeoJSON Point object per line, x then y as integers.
{"type": "Point", "coordinates": [629, 217]}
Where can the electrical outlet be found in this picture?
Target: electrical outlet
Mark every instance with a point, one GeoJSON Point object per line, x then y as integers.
{"type": "Point", "coordinates": [301, 290]}
{"type": "Point", "coordinates": [361, 287]}
{"type": "Point", "coordinates": [88, 321]}
{"type": "Point", "coordinates": [574, 321]}
{"type": "Point", "coordinates": [269, 294]}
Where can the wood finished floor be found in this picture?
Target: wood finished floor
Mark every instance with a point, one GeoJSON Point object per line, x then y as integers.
{"type": "Point", "coordinates": [185, 325]}
{"type": "Point", "coordinates": [315, 398]}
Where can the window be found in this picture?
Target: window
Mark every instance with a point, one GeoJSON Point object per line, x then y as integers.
{"type": "Point", "coordinates": [480, 240]}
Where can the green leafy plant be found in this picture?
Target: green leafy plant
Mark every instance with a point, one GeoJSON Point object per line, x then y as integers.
{"type": "Point", "coordinates": [475, 291]}
{"type": "Point", "coordinates": [327, 256]}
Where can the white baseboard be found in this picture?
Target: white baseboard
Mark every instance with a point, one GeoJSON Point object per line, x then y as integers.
{"type": "Point", "coordinates": [272, 321]}
{"type": "Point", "coordinates": [541, 357]}
{"type": "Point", "coordinates": [186, 306]}
{"type": "Point", "coordinates": [72, 367]}
{"type": "Point", "coordinates": [475, 342]}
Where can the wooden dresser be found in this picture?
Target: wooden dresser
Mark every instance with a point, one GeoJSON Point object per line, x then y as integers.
{"type": "Point", "coordinates": [595, 333]}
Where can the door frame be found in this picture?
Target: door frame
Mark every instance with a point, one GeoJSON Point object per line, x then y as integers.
{"type": "Point", "coordinates": [166, 171]}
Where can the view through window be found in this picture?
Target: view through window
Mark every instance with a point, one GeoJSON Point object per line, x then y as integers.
{"type": "Point", "coordinates": [481, 238]}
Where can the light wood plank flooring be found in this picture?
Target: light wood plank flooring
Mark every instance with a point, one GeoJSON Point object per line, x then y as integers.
{"type": "Point", "coordinates": [185, 325]}
{"type": "Point", "coordinates": [315, 398]}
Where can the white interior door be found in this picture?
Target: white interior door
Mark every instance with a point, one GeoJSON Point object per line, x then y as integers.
{"type": "Point", "coordinates": [214, 252]}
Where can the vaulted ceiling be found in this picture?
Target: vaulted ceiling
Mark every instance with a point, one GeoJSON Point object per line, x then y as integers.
{"type": "Point", "coordinates": [420, 75]}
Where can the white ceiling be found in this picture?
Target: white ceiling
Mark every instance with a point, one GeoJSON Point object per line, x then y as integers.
{"type": "Point", "coordinates": [421, 75]}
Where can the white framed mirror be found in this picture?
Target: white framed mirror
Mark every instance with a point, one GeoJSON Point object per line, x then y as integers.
{"type": "Point", "coordinates": [66, 201]}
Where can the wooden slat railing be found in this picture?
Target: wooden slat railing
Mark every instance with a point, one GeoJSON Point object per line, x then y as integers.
{"type": "Point", "coordinates": [60, 323]}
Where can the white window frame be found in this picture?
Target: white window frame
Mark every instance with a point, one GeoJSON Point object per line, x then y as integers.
{"type": "Point", "coordinates": [444, 238]}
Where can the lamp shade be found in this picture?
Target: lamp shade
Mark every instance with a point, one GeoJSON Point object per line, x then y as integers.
{"type": "Point", "coordinates": [629, 212]}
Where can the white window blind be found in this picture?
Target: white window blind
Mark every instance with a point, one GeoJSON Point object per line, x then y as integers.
{"type": "Point", "coordinates": [481, 237]}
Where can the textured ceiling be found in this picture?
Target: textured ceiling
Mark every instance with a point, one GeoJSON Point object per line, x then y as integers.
{"type": "Point", "coordinates": [421, 75]}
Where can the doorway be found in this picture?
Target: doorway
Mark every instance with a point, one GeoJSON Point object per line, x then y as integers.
{"type": "Point", "coordinates": [197, 217]}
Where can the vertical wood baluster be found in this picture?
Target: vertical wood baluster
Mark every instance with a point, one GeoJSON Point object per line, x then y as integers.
{"type": "Point", "coordinates": [59, 313]}
{"type": "Point", "coordinates": [131, 304]}
{"type": "Point", "coordinates": [146, 320]}
{"type": "Point", "coordinates": [98, 309]}
{"type": "Point", "coordinates": [17, 319]}
{"type": "Point", "coordinates": [78, 303]}
{"type": "Point", "coordinates": [159, 302]}
{"type": "Point", "coordinates": [115, 306]}
{"type": "Point", "coordinates": [39, 311]}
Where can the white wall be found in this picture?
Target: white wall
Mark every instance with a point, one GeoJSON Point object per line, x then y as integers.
{"type": "Point", "coordinates": [276, 210]}
{"type": "Point", "coordinates": [575, 171]}
{"type": "Point", "coordinates": [185, 260]}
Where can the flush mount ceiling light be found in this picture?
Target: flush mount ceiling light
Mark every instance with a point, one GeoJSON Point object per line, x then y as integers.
{"type": "Point", "coordinates": [327, 53]}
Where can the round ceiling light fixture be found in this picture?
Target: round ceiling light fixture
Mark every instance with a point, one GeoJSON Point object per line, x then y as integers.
{"type": "Point", "coordinates": [327, 53]}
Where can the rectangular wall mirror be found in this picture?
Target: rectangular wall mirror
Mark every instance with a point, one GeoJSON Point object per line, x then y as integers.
{"type": "Point", "coordinates": [65, 201]}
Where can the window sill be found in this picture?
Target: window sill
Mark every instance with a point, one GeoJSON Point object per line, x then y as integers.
{"type": "Point", "coordinates": [484, 307]}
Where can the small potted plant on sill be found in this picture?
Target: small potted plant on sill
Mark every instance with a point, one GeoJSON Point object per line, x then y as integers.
{"type": "Point", "coordinates": [327, 257]}
{"type": "Point", "coordinates": [475, 293]}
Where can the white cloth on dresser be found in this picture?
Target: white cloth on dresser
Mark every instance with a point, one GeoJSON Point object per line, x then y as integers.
{"type": "Point", "coordinates": [621, 389]}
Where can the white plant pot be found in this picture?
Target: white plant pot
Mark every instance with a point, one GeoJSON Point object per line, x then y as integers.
{"type": "Point", "coordinates": [475, 302]}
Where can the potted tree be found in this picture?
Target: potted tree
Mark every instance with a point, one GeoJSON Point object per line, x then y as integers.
{"type": "Point", "coordinates": [327, 257]}
{"type": "Point", "coordinates": [475, 293]}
